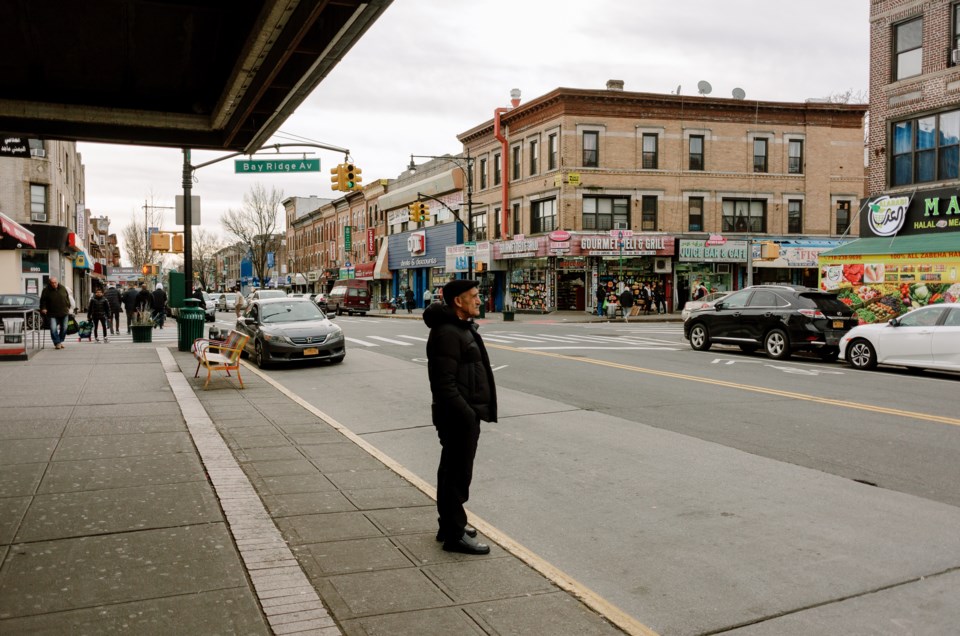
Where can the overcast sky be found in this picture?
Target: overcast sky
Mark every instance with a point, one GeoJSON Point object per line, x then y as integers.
{"type": "Point", "coordinates": [430, 69]}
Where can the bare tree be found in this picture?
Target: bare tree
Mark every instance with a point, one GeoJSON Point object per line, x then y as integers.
{"type": "Point", "coordinates": [256, 225]}
{"type": "Point", "coordinates": [134, 236]}
{"type": "Point", "coordinates": [849, 96]}
{"type": "Point", "coordinates": [205, 247]}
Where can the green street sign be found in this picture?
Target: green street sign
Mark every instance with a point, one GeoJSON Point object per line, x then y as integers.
{"type": "Point", "coordinates": [259, 166]}
{"type": "Point", "coordinates": [347, 238]}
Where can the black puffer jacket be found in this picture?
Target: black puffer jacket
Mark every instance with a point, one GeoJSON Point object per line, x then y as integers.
{"type": "Point", "coordinates": [98, 307]}
{"type": "Point", "coordinates": [461, 379]}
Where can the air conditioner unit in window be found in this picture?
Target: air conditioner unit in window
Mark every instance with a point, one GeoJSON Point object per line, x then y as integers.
{"type": "Point", "coordinates": [955, 56]}
{"type": "Point", "coordinates": [620, 225]}
{"type": "Point", "coordinates": [39, 153]}
{"type": "Point", "coordinates": [36, 216]}
{"type": "Point", "coordinates": [662, 266]}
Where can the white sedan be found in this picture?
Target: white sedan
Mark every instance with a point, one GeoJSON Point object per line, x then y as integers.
{"type": "Point", "coordinates": [695, 305]}
{"type": "Point", "coordinates": [925, 338]}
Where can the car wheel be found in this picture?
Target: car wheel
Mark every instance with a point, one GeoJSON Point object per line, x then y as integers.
{"type": "Point", "coordinates": [777, 344]}
{"type": "Point", "coordinates": [36, 322]}
{"type": "Point", "coordinates": [261, 355]}
{"type": "Point", "coordinates": [337, 359]}
{"type": "Point", "coordinates": [862, 355]}
{"type": "Point", "coordinates": [748, 348]}
{"type": "Point", "coordinates": [699, 338]}
{"type": "Point", "coordinates": [829, 354]}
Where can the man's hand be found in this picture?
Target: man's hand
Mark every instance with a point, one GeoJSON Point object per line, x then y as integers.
{"type": "Point", "coordinates": [43, 311]}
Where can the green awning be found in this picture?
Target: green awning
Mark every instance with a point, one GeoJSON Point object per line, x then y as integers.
{"type": "Point", "coordinates": [915, 244]}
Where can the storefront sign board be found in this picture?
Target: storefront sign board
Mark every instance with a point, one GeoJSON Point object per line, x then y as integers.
{"type": "Point", "coordinates": [729, 252]}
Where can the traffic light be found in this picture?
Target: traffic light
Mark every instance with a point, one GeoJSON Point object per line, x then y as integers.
{"type": "Point", "coordinates": [178, 243]}
{"type": "Point", "coordinates": [423, 211]}
{"type": "Point", "coordinates": [414, 212]}
{"type": "Point", "coordinates": [351, 176]}
{"type": "Point", "coordinates": [146, 270]}
{"type": "Point", "coordinates": [338, 178]}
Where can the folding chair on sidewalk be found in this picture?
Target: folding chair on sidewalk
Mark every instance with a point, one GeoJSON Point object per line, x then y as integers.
{"type": "Point", "coordinates": [218, 355]}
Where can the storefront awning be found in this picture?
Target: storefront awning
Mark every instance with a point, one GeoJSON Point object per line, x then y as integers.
{"type": "Point", "coordinates": [381, 270]}
{"type": "Point", "coordinates": [913, 244]}
{"type": "Point", "coordinates": [82, 261]}
{"type": "Point", "coordinates": [17, 231]}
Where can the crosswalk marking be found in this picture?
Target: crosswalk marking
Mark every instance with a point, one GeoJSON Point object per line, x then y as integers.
{"type": "Point", "coordinates": [396, 342]}
{"type": "Point", "coordinates": [360, 342]}
{"type": "Point", "coordinates": [414, 338]}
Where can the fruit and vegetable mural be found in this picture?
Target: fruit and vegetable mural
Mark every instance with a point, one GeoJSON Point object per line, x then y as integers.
{"type": "Point", "coordinates": [886, 286]}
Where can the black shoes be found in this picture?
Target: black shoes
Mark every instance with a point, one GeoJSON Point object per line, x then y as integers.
{"type": "Point", "coordinates": [469, 530]}
{"type": "Point", "coordinates": [466, 545]}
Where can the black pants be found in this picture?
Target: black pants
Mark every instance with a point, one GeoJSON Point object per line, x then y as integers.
{"type": "Point", "coordinates": [99, 321]}
{"type": "Point", "coordinates": [114, 320]}
{"type": "Point", "coordinates": [459, 442]}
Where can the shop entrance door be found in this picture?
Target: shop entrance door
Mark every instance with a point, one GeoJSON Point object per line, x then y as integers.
{"type": "Point", "coordinates": [570, 291]}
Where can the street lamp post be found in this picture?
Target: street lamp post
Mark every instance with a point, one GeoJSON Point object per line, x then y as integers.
{"type": "Point", "coordinates": [467, 169]}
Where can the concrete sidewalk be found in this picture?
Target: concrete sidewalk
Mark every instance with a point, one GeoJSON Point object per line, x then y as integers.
{"type": "Point", "coordinates": [133, 501]}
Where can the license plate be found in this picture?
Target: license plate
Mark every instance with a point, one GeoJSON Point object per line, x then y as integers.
{"type": "Point", "coordinates": [311, 352]}
{"type": "Point", "coordinates": [838, 324]}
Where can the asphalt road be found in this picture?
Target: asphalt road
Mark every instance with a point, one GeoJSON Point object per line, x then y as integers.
{"type": "Point", "coordinates": [698, 491]}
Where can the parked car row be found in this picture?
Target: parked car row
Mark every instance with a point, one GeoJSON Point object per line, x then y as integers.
{"type": "Point", "coordinates": [782, 320]}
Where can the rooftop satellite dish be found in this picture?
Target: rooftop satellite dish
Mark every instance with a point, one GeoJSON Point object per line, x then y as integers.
{"type": "Point", "coordinates": [704, 87]}
{"type": "Point", "coordinates": [739, 93]}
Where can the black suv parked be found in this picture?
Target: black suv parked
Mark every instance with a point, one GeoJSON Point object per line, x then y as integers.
{"type": "Point", "coordinates": [781, 319]}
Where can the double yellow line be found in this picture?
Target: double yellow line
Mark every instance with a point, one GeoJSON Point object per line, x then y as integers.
{"type": "Point", "coordinates": [741, 387]}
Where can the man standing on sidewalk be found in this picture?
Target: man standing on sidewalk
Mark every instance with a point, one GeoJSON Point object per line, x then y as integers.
{"type": "Point", "coordinates": [113, 297]}
{"type": "Point", "coordinates": [55, 307]}
{"type": "Point", "coordinates": [130, 304]}
{"type": "Point", "coordinates": [463, 390]}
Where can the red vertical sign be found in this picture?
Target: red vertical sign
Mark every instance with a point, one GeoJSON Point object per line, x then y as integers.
{"type": "Point", "coordinates": [371, 244]}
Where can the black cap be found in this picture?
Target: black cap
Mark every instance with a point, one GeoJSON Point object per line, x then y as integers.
{"type": "Point", "coordinates": [456, 287]}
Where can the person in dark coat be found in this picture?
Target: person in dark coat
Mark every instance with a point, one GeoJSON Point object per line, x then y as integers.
{"type": "Point", "coordinates": [55, 307]}
{"type": "Point", "coordinates": [626, 303]}
{"type": "Point", "coordinates": [99, 312]}
{"type": "Point", "coordinates": [464, 392]}
{"type": "Point", "coordinates": [144, 301]}
{"type": "Point", "coordinates": [159, 305]}
{"type": "Point", "coordinates": [113, 297]}
{"type": "Point", "coordinates": [601, 295]}
{"type": "Point", "coordinates": [409, 299]}
{"type": "Point", "coordinates": [129, 299]}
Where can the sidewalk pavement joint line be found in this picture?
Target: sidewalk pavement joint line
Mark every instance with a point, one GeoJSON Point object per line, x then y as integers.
{"type": "Point", "coordinates": [591, 599]}
{"type": "Point", "coordinates": [247, 512]}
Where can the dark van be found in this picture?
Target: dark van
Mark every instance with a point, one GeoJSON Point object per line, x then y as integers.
{"type": "Point", "coordinates": [349, 296]}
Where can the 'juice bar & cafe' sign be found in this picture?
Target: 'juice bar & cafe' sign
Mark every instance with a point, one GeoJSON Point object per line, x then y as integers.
{"type": "Point", "coordinates": [907, 256]}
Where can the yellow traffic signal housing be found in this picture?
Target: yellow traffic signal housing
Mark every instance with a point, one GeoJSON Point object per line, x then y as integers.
{"type": "Point", "coordinates": [769, 251]}
{"type": "Point", "coordinates": [145, 270]}
{"type": "Point", "coordinates": [479, 266]}
{"type": "Point", "coordinates": [337, 177]}
{"type": "Point", "coordinates": [160, 242]}
{"type": "Point", "coordinates": [178, 243]}
{"type": "Point", "coordinates": [352, 177]}
{"type": "Point", "coordinates": [424, 211]}
{"type": "Point", "coordinates": [414, 212]}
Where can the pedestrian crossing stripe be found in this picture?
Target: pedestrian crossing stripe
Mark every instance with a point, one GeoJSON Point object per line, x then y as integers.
{"type": "Point", "coordinates": [542, 341]}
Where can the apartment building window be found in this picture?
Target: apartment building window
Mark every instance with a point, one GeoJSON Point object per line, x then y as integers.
{"type": "Point", "coordinates": [606, 213]}
{"type": "Point", "coordinates": [695, 214]}
{"type": "Point", "coordinates": [794, 216]}
{"type": "Point", "coordinates": [516, 219]}
{"type": "Point", "coordinates": [591, 149]}
{"type": "Point", "coordinates": [479, 220]}
{"type": "Point", "coordinates": [907, 49]}
{"type": "Point", "coordinates": [696, 152]}
{"type": "Point", "coordinates": [36, 148]}
{"type": "Point", "coordinates": [543, 217]}
{"type": "Point", "coordinates": [534, 157]}
{"type": "Point", "coordinates": [843, 217]}
{"type": "Point", "coordinates": [926, 149]}
{"type": "Point", "coordinates": [650, 151]}
{"type": "Point", "coordinates": [552, 150]}
{"type": "Point", "coordinates": [483, 174]}
{"type": "Point", "coordinates": [496, 169]}
{"type": "Point", "coordinates": [744, 215]}
{"type": "Point", "coordinates": [515, 163]}
{"type": "Point", "coordinates": [38, 202]}
{"type": "Point", "coordinates": [648, 213]}
{"type": "Point", "coordinates": [760, 155]}
{"type": "Point", "coordinates": [795, 156]}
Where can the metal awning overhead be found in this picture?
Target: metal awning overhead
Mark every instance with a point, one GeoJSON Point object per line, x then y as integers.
{"type": "Point", "coordinates": [912, 244]}
{"type": "Point", "coordinates": [17, 231]}
{"type": "Point", "coordinates": [215, 74]}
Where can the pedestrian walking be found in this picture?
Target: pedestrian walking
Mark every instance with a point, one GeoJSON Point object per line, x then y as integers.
{"type": "Point", "coordinates": [113, 297]}
{"type": "Point", "coordinates": [241, 303]}
{"type": "Point", "coordinates": [427, 297]}
{"type": "Point", "coordinates": [129, 300]}
{"type": "Point", "coordinates": [464, 393]}
{"type": "Point", "coordinates": [626, 303]}
{"type": "Point", "coordinates": [601, 295]}
{"type": "Point", "coordinates": [144, 301]}
{"type": "Point", "coordinates": [660, 297]}
{"type": "Point", "coordinates": [99, 313]}
{"type": "Point", "coordinates": [409, 299]}
{"type": "Point", "coordinates": [159, 306]}
{"type": "Point", "coordinates": [55, 307]}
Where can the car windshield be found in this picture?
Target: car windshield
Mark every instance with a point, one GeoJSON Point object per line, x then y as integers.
{"type": "Point", "coordinates": [289, 312]}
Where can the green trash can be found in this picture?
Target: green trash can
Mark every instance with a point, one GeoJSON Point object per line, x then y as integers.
{"type": "Point", "coordinates": [190, 324]}
{"type": "Point", "coordinates": [483, 306]}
